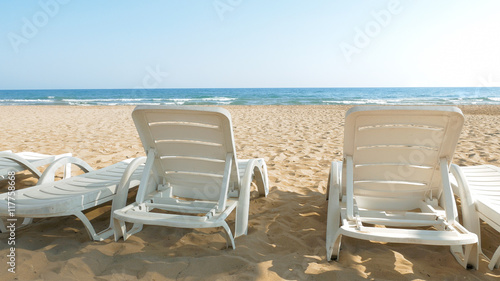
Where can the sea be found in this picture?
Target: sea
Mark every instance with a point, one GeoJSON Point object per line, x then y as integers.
{"type": "Point", "coordinates": [255, 96]}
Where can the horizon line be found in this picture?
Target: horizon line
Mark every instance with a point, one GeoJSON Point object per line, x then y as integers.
{"type": "Point", "coordinates": [195, 88]}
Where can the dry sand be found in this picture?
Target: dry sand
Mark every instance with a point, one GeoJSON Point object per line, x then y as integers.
{"type": "Point", "coordinates": [286, 238]}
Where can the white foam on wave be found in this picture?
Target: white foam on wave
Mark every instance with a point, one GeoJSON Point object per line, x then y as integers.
{"type": "Point", "coordinates": [142, 103]}
{"type": "Point", "coordinates": [355, 102]}
{"type": "Point", "coordinates": [102, 100]}
{"type": "Point", "coordinates": [78, 104]}
{"type": "Point", "coordinates": [26, 100]}
{"type": "Point", "coordinates": [180, 100]}
{"type": "Point", "coordinates": [221, 99]}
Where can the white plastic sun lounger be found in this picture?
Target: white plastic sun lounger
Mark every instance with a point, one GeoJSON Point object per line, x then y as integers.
{"type": "Point", "coordinates": [479, 190]}
{"type": "Point", "coordinates": [21, 161]}
{"type": "Point", "coordinates": [192, 177]}
{"type": "Point", "coordinates": [71, 196]}
{"type": "Point", "coordinates": [395, 173]}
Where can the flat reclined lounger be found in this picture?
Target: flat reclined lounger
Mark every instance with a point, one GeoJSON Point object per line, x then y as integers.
{"type": "Point", "coordinates": [71, 196]}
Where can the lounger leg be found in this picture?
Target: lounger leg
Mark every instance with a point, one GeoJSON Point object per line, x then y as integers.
{"type": "Point", "coordinates": [471, 252]}
{"type": "Point", "coordinates": [328, 184]}
{"type": "Point", "coordinates": [470, 220]}
{"type": "Point", "coordinates": [27, 221]}
{"type": "Point", "coordinates": [229, 237]}
{"type": "Point", "coordinates": [90, 229]}
{"type": "Point", "coordinates": [495, 260]}
{"type": "Point", "coordinates": [88, 225]}
{"type": "Point", "coordinates": [242, 210]}
{"type": "Point", "coordinates": [466, 255]}
{"type": "Point", "coordinates": [333, 236]}
{"type": "Point", "coordinates": [137, 227]}
{"type": "Point", "coordinates": [3, 229]}
{"type": "Point", "coordinates": [333, 248]}
{"type": "Point", "coordinates": [119, 229]}
{"type": "Point", "coordinates": [120, 200]}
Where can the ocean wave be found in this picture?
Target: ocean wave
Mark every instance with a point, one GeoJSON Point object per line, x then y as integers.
{"type": "Point", "coordinates": [276, 96]}
{"type": "Point", "coordinates": [105, 100]}
{"type": "Point", "coordinates": [79, 104]}
{"type": "Point", "coordinates": [25, 100]}
{"type": "Point", "coordinates": [417, 101]}
{"type": "Point", "coordinates": [121, 101]}
{"type": "Point", "coordinates": [176, 101]}
{"type": "Point", "coordinates": [179, 100]}
{"type": "Point", "coordinates": [360, 102]}
{"type": "Point", "coordinates": [221, 99]}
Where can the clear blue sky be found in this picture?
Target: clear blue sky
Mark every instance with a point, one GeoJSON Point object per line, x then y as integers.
{"type": "Point", "coordinates": [64, 44]}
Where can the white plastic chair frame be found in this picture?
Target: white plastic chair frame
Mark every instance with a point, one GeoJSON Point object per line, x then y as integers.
{"type": "Point", "coordinates": [171, 190]}
{"type": "Point", "coordinates": [360, 191]}
{"type": "Point", "coordinates": [72, 196]}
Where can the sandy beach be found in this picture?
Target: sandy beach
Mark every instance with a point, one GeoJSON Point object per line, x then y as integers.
{"type": "Point", "coordinates": [286, 237]}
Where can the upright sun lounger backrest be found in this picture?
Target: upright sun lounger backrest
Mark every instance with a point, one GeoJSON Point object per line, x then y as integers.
{"type": "Point", "coordinates": [193, 149]}
{"type": "Point", "coordinates": [396, 153]}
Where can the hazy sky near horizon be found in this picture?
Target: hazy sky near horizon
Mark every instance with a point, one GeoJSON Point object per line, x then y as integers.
{"type": "Point", "coordinates": [64, 44]}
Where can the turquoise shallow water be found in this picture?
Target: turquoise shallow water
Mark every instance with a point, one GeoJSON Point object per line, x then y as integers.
{"type": "Point", "coordinates": [253, 96]}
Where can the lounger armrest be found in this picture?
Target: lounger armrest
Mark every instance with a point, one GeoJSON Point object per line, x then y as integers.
{"type": "Point", "coordinates": [470, 218]}
{"type": "Point", "coordinates": [261, 176]}
{"type": "Point", "coordinates": [120, 198]}
{"type": "Point", "coordinates": [255, 169]}
{"type": "Point", "coordinates": [21, 161]}
{"type": "Point", "coordinates": [49, 174]}
{"type": "Point", "coordinates": [69, 154]}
